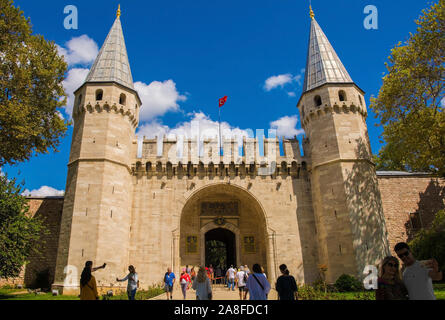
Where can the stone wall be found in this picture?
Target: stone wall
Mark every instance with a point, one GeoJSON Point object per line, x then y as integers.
{"type": "Point", "coordinates": [418, 196]}
{"type": "Point", "coordinates": [50, 209]}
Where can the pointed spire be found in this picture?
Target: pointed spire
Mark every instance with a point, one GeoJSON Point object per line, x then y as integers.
{"type": "Point", "coordinates": [112, 63]}
{"type": "Point", "coordinates": [118, 13]}
{"type": "Point", "coordinates": [311, 13]}
{"type": "Point", "coordinates": [323, 64]}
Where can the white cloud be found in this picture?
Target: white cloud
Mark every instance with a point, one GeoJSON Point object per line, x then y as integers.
{"type": "Point", "coordinates": [284, 79]}
{"type": "Point", "coordinates": [158, 98]}
{"type": "Point", "coordinates": [44, 191]}
{"type": "Point", "coordinates": [75, 78]}
{"type": "Point", "coordinates": [277, 81]}
{"type": "Point", "coordinates": [79, 51]}
{"type": "Point", "coordinates": [287, 127]}
{"type": "Point", "coordinates": [207, 128]}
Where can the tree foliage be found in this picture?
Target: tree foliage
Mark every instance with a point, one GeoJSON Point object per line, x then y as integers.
{"type": "Point", "coordinates": [429, 244]}
{"type": "Point", "coordinates": [19, 233]}
{"type": "Point", "coordinates": [412, 98]}
{"type": "Point", "coordinates": [31, 90]}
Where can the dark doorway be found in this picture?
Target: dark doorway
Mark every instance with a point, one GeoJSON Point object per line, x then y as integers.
{"type": "Point", "coordinates": [220, 248]}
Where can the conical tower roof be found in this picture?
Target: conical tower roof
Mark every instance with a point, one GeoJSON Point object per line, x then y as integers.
{"type": "Point", "coordinates": [323, 64]}
{"type": "Point", "coordinates": [112, 63]}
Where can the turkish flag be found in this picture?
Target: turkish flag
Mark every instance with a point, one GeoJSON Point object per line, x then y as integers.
{"type": "Point", "coordinates": [222, 101]}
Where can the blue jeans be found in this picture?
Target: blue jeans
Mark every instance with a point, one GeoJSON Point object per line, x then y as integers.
{"type": "Point", "coordinates": [131, 294]}
{"type": "Point", "coordinates": [231, 282]}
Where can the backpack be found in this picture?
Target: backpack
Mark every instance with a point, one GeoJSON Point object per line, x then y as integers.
{"type": "Point", "coordinates": [165, 277]}
{"type": "Point", "coordinates": [245, 277]}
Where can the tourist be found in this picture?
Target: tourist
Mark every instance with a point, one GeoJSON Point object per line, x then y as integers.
{"type": "Point", "coordinates": [390, 285]}
{"type": "Point", "coordinates": [169, 281]}
{"type": "Point", "coordinates": [88, 287]}
{"type": "Point", "coordinates": [418, 277]}
{"type": "Point", "coordinates": [212, 273]}
{"type": "Point", "coordinates": [133, 282]}
{"type": "Point", "coordinates": [246, 269]}
{"type": "Point", "coordinates": [202, 285]}
{"type": "Point", "coordinates": [286, 285]}
{"type": "Point", "coordinates": [193, 273]}
{"type": "Point", "coordinates": [257, 284]}
{"type": "Point", "coordinates": [185, 282]}
{"type": "Point", "coordinates": [231, 278]}
{"type": "Point", "coordinates": [218, 274]}
{"type": "Point", "coordinates": [241, 279]}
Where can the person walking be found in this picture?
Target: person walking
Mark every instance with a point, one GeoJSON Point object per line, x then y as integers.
{"type": "Point", "coordinates": [88, 287]}
{"type": "Point", "coordinates": [133, 282]}
{"type": "Point", "coordinates": [193, 273]}
{"type": "Point", "coordinates": [390, 285]}
{"type": "Point", "coordinates": [418, 276]}
{"type": "Point", "coordinates": [257, 284]}
{"type": "Point", "coordinates": [185, 281]}
{"type": "Point", "coordinates": [231, 278]}
{"type": "Point", "coordinates": [202, 285]}
{"type": "Point", "coordinates": [169, 281]}
{"type": "Point", "coordinates": [187, 269]}
{"type": "Point", "coordinates": [241, 279]}
{"type": "Point", "coordinates": [286, 285]}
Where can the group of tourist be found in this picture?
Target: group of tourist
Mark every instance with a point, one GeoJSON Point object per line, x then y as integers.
{"type": "Point", "coordinates": [414, 284]}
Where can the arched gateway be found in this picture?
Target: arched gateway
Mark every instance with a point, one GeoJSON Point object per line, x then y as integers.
{"type": "Point", "coordinates": [232, 217]}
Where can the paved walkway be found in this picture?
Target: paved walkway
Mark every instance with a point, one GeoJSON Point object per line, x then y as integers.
{"type": "Point", "coordinates": [219, 293]}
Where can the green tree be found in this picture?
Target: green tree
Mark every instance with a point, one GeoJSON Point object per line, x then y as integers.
{"type": "Point", "coordinates": [31, 75]}
{"type": "Point", "coordinates": [430, 243]}
{"type": "Point", "coordinates": [411, 100]}
{"type": "Point", "coordinates": [19, 232]}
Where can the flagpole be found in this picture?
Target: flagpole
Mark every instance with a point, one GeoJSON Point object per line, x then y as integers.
{"type": "Point", "coordinates": [220, 139]}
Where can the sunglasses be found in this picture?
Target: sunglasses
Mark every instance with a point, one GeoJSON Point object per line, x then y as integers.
{"type": "Point", "coordinates": [402, 255]}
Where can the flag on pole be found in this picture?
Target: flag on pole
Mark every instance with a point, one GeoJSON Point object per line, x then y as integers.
{"type": "Point", "coordinates": [222, 101]}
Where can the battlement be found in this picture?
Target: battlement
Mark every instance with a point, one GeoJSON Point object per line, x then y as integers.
{"type": "Point", "coordinates": [188, 157]}
{"type": "Point", "coordinates": [342, 107]}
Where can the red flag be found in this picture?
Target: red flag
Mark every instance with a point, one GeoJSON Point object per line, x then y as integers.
{"type": "Point", "coordinates": [222, 101]}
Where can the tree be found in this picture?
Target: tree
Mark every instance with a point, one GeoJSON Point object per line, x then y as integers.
{"type": "Point", "coordinates": [19, 232]}
{"type": "Point", "coordinates": [429, 244]}
{"type": "Point", "coordinates": [31, 90]}
{"type": "Point", "coordinates": [412, 98]}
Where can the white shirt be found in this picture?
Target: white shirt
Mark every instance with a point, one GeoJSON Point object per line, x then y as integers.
{"type": "Point", "coordinates": [240, 278]}
{"type": "Point", "coordinates": [418, 282]}
{"type": "Point", "coordinates": [231, 272]}
{"type": "Point", "coordinates": [132, 281]}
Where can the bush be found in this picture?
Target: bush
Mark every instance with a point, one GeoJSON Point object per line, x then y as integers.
{"type": "Point", "coordinates": [347, 283]}
{"type": "Point", "coordinates": [140, 294]}
{"type": "Point", "coordinates": [429, 244]}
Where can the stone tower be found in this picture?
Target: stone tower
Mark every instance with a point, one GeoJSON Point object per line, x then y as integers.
{"type": "Point", "coordinates": [96, 219]}
{"type": "Point", "coordinates": [350, 225]}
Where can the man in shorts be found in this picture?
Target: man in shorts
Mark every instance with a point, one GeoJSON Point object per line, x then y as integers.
{"type": "Point", "coordinates": [241, 277]}
{"type": "Point", "coordinates": [231, 278]}
{"type": "Point", "coordinates": [418, 276]}
{"type": "Point", "coordinates": [169, 281]}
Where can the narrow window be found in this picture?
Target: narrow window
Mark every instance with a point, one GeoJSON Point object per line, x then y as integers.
{"type": "Point", "coordinates": [342, 95]}
{"type": "Point", "coordinates": [360, 98]}
{"type": "Point", "coordinates": [99, 95]}
{"type": "Point", "coordinates": [122, 99]}
{"type": "Point", "coordinates": [318, 101]}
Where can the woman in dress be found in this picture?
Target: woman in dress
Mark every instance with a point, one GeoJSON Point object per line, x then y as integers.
{"type": "Point", "coordinates": [88, 287]}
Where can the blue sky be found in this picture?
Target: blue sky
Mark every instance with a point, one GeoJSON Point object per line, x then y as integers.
{"type": "Point", "coordinates": [191, 53]}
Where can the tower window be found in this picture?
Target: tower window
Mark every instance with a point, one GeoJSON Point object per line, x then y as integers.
{"type": "Point", "coordinates": [342, 95]}
{"type": "Point", "coordinates": [122, 99]}
{"type": "Point", "coordinates": [80, 100]}
{"type": "Point", "coordinates": [360, 98]}
{"type": "Point", "coordinates": [99, 95]}
{"type": "Point", "coordinates": [318, 101]}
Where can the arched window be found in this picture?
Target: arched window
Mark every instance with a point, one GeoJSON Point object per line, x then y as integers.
{"type": "Point", "coordinates": [122, 99]}
{"type": "Point", "coordinates": [317, 101]}
{"type": "Point", "coordinates": [99, 95]}
{"type": "Point", "coordinates": [342, 95]}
